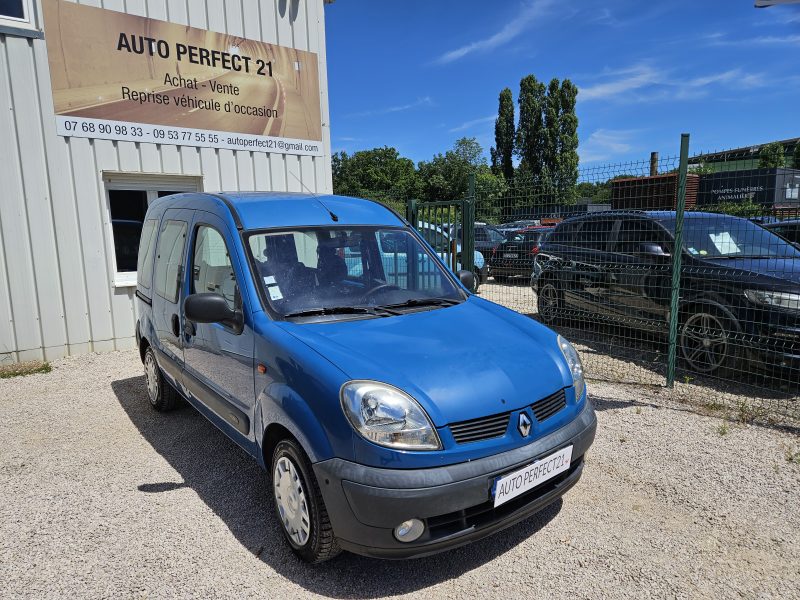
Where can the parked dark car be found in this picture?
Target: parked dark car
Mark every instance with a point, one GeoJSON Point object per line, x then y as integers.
{"type": "Point", "coordinates": [514, 258]}
{"type": "Point", "coordinates": [514, 226]}
{"type": "Point", "coordinates": [789, 230]}
{"type": "Point", "coordinates": [740, 283]}
{"type": "Point", "coordinates": [487, 237]}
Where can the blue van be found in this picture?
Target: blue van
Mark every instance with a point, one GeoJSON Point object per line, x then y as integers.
{"type": "Point", "coordinates": [397, 414]}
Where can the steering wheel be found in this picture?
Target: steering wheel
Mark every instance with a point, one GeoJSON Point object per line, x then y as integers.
{"type": "Point", "coordinates": [378, 288]}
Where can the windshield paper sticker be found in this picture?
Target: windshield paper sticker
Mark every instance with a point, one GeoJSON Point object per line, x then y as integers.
{"type": "Point", "coordinates": [724, 243]}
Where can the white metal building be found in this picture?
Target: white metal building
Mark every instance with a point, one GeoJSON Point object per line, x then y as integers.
{"type": "Point", "coordinates": [66, 201]}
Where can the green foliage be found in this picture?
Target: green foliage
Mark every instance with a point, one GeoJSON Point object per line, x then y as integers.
{"type": "Point", "coordinates": [380, 174]}
{"type": "Point", "coordinates": [446, 176]}
{"type": "Point", "coordinates": [744, 209]}
{"type": "Point", "coordinates": [502, 153]}
{"type": "Point", "coordinates": [771, 155]}
{"type": "Point", "coordinates": [551, 141]}
{"type": "Point", "coordinates": [24, 368]}
{"type": "Point", "coordinates": [796, 156]}
{"type": "Point", "coordinates": [530, 131]}
{"type": "Point", "coordinates": [567, 172]}
{"type": "Point", "coordinates": [547, 136]}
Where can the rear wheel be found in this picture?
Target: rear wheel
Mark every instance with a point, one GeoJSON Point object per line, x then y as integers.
{"type": "Point", "coordinates": [548, 303]}
{"type": "Point", "coordinates": [299, 505]}
{"type": "Point", "coordinates": [706, 342]}
{"type": "Point", "coordinates": [162, 395]}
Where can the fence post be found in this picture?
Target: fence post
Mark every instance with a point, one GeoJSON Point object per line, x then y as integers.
{"type": "Point", "coordinates": [677, 254]}
{"type": "Point", "coordinates": [468, 227]}
{"type": "Point", "coordinates": [411, 212]}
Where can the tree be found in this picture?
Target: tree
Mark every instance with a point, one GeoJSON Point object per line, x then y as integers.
{"type": "Point", "coordinates": [567, 168]}
{"type": "Point", "coordinates": [552, 137]}
{"type": "Point", "coordinates": [530, 132]}
{"type": "Point", "coordinates": [796, 156]}
{"type": "Point", "coordinates": [446, 176]}
{"type": "Point", "coordinates": [381, 174]}
{"type": "Point", "coordinates": [502, 153]}
{"type": "Point", "coordinates": [771, 156]}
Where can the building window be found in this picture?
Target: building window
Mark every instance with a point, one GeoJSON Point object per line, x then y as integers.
{"type": "Point", "coordinates": [16, 14]}
{"type": "Point", "coordinates": [128, 199]}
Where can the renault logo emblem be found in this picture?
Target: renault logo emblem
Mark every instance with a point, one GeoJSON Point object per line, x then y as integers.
{"type": "Point", "coordinates": [524, 425]}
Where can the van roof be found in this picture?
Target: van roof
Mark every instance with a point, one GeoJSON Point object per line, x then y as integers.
{"type": "Point", "coordinates": [257, 210]}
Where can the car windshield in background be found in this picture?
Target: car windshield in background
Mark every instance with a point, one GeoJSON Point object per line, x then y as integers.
{"type": "Point", "coordinates": [722, 237]}
{"type": "Point", "coordinates": [332, 270]}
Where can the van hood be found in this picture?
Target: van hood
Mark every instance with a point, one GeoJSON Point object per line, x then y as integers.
{"type": "Point", "coordinates": [460, 362]}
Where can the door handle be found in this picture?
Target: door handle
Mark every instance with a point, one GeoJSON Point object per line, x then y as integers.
{"type": "Point", "coordinates": [176, 325]}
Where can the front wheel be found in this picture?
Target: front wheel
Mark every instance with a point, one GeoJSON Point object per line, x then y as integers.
{"type": "Point", "coordinates": [162, 395]}
{"type": "Point", "coordinates": [299, 505]}
{"type": "Point", "coordinates": [548, 303]}
{"type": "Point", "coordinates": [706, 342]}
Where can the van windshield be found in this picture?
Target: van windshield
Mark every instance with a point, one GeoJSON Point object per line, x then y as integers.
{"type": "Point", "coordinates": [334, 270]}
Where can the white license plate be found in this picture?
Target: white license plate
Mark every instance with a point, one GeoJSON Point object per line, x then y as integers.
{"type": "Point", "coordinates": [508, 487]}
{"type": "Point", "coordinates": [510, 255]}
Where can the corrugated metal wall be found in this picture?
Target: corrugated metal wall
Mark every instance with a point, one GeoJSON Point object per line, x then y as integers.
{"type": "Point", "coordinates": [56, 267]}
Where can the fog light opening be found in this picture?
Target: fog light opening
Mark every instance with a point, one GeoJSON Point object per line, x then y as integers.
{"type": "Point", "coordinates": [410, 530]}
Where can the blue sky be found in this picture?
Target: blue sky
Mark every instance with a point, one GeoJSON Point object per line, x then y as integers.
{"type": "Point", "coordinates": [419, 74]}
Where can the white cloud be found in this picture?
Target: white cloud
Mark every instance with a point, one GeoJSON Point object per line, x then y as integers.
{"type": "Point", "coordinates": [633, 78]}
{"type": "Point", "coordinates": [425, 101]}
{"type": "Point", "coordinates": [469, 124]}
{"type": "Point", "coordinates": [529, 13]}
{"type": "Point", "coordinates": [606, 144]}
{"type": "Point", "coordinates": [644, 83]}
{"type": "Point", "coordinates": [718, 39]}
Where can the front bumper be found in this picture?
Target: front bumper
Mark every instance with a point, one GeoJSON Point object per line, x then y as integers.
{"type": "Point", "coordinates": [365, 504]}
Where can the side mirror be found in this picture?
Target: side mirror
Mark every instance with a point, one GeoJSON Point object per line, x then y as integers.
{"type": "Point", "coordinates": [467, 279]}
{"type": "Point", "coordinates": [650, 249]}
{"type": "Point", "coordinates": [208, 307]}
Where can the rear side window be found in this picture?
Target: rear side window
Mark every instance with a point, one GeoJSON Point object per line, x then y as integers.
{"type": "Point", "coordinates": [565, 233]}
{"type": "Point", "coordinates": [169, 259]}
{"type": "Point", "coordinates": [595, 235]}
{"type": "Point", "coordinates": [146, 248]}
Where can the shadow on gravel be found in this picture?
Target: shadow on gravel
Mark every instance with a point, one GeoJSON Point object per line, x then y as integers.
{"type": "Point", "coordinates": [232, 484]}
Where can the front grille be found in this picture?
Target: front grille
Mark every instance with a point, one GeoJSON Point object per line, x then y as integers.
{"type": "Point", "coordinates": [547, 407]}
{"type": "Point", "coordinates": [483, 428]}
{"type": "Point", "coordinates": [485, 514]}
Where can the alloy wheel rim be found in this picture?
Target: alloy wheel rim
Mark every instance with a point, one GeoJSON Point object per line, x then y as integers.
{"type": "Point", "coordinates": [704, 342]}
{"type": "Point", "coordinates": [549, 303]}
{"type": "Point", "coordinates": [290, 497]}
{"type": "Point", "coordinates": [151, 375]}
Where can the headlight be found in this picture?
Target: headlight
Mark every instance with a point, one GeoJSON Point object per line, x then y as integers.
{"type": "Point", "coordinates": [388, 416]}
{"type": "Point", "coordinates": [575, 366]}
{"type": "Point", "coordinates": [779, 299]}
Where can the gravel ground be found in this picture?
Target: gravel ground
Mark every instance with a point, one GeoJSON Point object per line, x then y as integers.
{"type": "Point", "coordinates": [102, 497]}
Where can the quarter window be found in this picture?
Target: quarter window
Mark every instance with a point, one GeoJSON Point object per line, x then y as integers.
{"type": "Point", "coordinates": [169, 259]}
{"type": "Point", "coordinates": [212, 269]}
{"type": "Point", "coordinates": [146, 249]}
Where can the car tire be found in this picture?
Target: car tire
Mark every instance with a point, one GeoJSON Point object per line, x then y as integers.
{"type": "Point", "coordinates": [549, 303]}
{"type": "Point", "coordinates": [299, 505]}
{"type": "Point", "coordinates": [162, 396]}
{"type": "Point", "coordinates": [477, 276]}
{"type": "Point", "coordinates": [706, 342]}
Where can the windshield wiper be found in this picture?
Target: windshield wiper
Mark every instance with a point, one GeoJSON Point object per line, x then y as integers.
{"type": "Point", "coordinates": [343, 310]}
{"type": "Point", "coordinates": [422, 302]}
{"type": "Point", "coordinates": [737, 256]}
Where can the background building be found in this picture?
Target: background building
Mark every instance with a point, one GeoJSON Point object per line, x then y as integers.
{"type": "Point", "coordinates": [82, 158]}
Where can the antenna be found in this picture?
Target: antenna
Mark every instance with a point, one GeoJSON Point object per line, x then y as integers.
{"type": "Point", "coordinates": [334, 216]}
